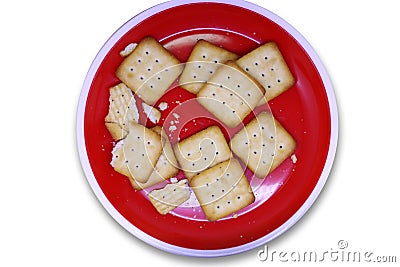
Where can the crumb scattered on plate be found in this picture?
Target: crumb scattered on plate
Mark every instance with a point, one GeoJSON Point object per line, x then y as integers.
{"type": "Point", "coordinates": [294, 158]}
{"type": "Point", "coordinates": [128, 49]}
{"type": "Point", "coordinates": [163, 106]}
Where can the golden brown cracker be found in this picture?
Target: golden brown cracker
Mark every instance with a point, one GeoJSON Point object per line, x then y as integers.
{"type": "Point", "coordinates": [222, 189]}
{"type": "Point", "coordinates": [230, 94]}
{"type": "Point", "coordinates": [122, 111]}
{"type": "Point", "coordinates": [267, 65]}
{"type": "Point", "coordinates": [149, 70]}
{"type": "Point", "coordinates": [170, 196]}
{"type": "Point", "coordinates": [138, 153]}
{"type": "Point", "coordinates": [263, 144]}
{"type": "Point", "coordinates": [203, 61]}
{"type": "Point", "coordinates": [202, 150]}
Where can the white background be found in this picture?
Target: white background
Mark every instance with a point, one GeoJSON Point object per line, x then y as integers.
{"type": "Point", "coordinates": [49, 214]}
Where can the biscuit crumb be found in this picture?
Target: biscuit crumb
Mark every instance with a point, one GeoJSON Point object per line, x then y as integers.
{"type": "Point", "coordinates": [163, 106]}
{"type": "Point", "coordinates": [172, 128]}
{"type": "Point", "coordinates": [294, 158]}
{"type": "Point", "coordinates": [128, 49]}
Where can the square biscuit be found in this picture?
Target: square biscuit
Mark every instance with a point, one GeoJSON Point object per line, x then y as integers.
{"type": "Point", "coordinates": [170, 196]}
{"type": "Point", "coordinates": [202, 150]}
{"type": "Point", "coordinates": [149, 70]}
{"type": "Point", "coordinates": [222, 189]}
{"type": "Point", "coordinates": [118, 162]}
{"type": "Point", "coordinates": [263, 144]}
{"type": "Point", "coordinates": [203, 61]}
{"type": "Point", "coordinates": [230, 94]}
{"type": "Point", "coordinates": [122, 110]}
{"type": "Point", "coordinates": [267, 65]}
{"type": "Point", "coordinates": [136, 155]}
{"type": "Point", "coordinates": [166, 166]}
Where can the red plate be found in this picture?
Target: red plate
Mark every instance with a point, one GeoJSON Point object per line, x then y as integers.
{"type": "Point", "coordinates": [307, 110]}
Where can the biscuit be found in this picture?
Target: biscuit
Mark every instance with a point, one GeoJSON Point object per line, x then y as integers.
{"type": "Point", "coordinates": [222, 189]}
{"type": "Point", "coordinates": [122, 110]}
{"type": "Point", "coordinates": [267, 65]}
{"type": "Point", "coordinates": [149, 70]}
{"type": "Point", "coordinates": [230, 94]}
{"type": "Point", "coordinates": [128, 49]}
{"type": "Point", "coordinates": [166, 166]}
{"type": "Point", "coordinates": [201, 151]}
{"type": "Point", "coordinates": [263, 144]}
{"type": "Point", "coordinates": [203, 61]}
{"type": "Point", "coordinates": [170, 197]}
{"type": "Point", "coordinates": [136, 155]}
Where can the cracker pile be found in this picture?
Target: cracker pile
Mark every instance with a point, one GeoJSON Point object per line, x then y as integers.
{"type": "Point", "coordinates": [229, 87]}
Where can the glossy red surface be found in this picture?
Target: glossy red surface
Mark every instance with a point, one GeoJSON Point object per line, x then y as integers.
{"type": "Point", "coordinates": [303, 110]}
